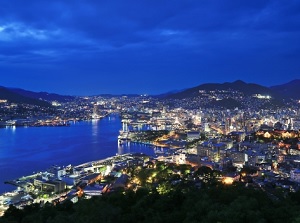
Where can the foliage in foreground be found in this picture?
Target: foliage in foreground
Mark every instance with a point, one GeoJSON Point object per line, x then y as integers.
{"type": "Point", "coordinates": [215, 204]}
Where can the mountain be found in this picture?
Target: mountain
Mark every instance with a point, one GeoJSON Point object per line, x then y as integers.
{"type": "Point", "coordinates": [245, 88]}
{"type": "Point", "coordinates": [228, 95]}
{"type": "Point", "coordinates": [14, 97]}
{"type": "Point", "coordinates": [290, 89]}
{"type": "Point", "coordinates": [168, 93]}
{"type": "Point", "coordinates": [42, 95]}
{"type": "Point", "coordinates": [228, 103]}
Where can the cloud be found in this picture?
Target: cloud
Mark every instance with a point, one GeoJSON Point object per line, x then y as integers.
{"type": "Point", "coordinates": [155, 37]}
{"type": "Point", "coordinates": [17, 31]}
{"type": "Point", "coordinates": [120, 23]}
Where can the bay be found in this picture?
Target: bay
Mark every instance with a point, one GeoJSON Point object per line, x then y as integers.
{"type": "Point", "coordinates": [24, 151]}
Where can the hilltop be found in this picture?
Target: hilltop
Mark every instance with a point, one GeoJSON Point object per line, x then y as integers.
{"type": "Point", "coordinates": [227, 95]}
{"type": "Point", "coordinates": [247, 89]}
{"type": "Point", "coordinates": [290, 89]}
{"type": "Point", "coordinates": [42, 95]}
{"type": "Point", "coordinates": [236, 94]}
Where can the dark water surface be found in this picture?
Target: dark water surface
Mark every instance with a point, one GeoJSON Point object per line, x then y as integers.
{"type": "Point", "coordinates": [27, 150]}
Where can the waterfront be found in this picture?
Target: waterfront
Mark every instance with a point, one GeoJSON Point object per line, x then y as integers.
{"type": "Point", "coordinates": [27, 150]}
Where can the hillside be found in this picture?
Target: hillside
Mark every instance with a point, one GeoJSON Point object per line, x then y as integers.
{"type": "Point", "coordinates": [245, 88]}
{"type": "Point", "coordinates": [237, 94]}
{"type": "Point", "coordinates": [290, 89]}
{"type": "Point", "coordinates": [216, 203]}
{"type": "Point", "coordinates": [13, 97]}
{"type": "Point", "coordinates": [42, 95]}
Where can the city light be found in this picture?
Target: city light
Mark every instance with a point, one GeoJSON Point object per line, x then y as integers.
{"type": "Point", "coordinates": [228, 180]}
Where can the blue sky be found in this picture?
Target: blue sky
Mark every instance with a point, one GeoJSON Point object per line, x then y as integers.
{"type": "Point", "coordinates": [146, 46]}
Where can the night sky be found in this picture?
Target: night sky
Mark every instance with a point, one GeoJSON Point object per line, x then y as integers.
{"type": "Point", "coordinates": [146, 46]}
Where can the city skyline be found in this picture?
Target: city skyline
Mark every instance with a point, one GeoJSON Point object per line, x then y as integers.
{"type": "Point", "coordinates": [87, 48]}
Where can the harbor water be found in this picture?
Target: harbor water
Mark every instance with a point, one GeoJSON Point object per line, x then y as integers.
{"type": "Point", "coordinates": [24, 151]}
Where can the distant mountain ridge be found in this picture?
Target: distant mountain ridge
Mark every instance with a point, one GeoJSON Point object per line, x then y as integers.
{"type": "Point", "coordinates": [6, 94]}
{"type": "Point", "coordinates": [42, 95]}
{"type": "Point", "coordinates": [17, 95]}
{"type": "Point", "coordinates": [241, 86]}
{"type": "Point", "coordinates": [237, 94]}
{"type": "Point", "coordinates": [290, 89]}
{"type": "Point", "coordinates": [169, 93]}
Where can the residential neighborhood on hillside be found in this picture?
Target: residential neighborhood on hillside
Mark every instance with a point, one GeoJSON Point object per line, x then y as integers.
{"type": "Point", "coordinates": [255, 142]}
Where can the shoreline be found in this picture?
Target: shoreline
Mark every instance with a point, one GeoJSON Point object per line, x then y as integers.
{"type": "Point", "coordinates": [18, 195]}
{"type": "Point", "coordinates": [157, 145]}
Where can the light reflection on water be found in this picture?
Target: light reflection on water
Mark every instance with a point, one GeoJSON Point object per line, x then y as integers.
{"type": "Point", "coordinates": [27, 150]}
